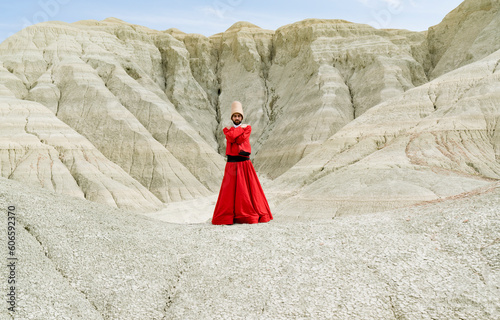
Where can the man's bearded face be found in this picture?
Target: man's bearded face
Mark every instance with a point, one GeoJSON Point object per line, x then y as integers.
{"type": "Point", "coordinates": [237, 118]}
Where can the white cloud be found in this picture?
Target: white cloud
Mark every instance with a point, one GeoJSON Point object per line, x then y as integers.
{"type": "Point", "coordinates": [376, 3]}
{"type": "Point", "coordinates": [212, 11]}
{"type": "Point", "coordinates": [394, 3]}
{"type": "Point", "coordinates": [218, 10]}
{"type": "Point", "coordinates": [365, 2]}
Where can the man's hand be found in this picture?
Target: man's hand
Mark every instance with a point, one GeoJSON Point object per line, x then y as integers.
{"type": "Point", "coordinates": [244, 125]}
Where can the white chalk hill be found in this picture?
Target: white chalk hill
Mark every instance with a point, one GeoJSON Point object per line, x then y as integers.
{"type": "Point", "coordinates": [346, 118]}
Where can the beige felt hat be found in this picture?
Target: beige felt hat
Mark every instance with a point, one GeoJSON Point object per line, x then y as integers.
{"type": "Point", "coordinates": [236, 107]}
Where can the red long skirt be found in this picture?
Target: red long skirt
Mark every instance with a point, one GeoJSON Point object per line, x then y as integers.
{"type": "Point", "coordinates": [241, 198]}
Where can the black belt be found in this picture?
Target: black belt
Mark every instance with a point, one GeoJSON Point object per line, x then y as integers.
{"type": "Point", "coordinates": [237, 158]}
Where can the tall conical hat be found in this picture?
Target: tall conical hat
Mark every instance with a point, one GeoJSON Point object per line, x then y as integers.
{"type": "Point", "coordinates": [236, 107]}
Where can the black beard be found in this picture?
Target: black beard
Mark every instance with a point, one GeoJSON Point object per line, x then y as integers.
{"type": "Point", "coordinates": [237, 122]}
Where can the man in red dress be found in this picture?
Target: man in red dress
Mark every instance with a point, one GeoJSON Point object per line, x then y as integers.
{"type": "Point", "coordinates": [241, 198]}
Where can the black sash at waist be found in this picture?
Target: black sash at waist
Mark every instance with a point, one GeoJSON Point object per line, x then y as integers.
{"type": "Point", "coordinates": [237, 158]}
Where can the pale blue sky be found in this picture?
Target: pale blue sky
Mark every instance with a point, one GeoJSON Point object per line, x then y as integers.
{"type": "Point", "coordinates": [214, 16]}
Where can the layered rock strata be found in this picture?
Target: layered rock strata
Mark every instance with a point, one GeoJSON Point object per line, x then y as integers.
{"type": "Point", "coordinates": [340, 111]}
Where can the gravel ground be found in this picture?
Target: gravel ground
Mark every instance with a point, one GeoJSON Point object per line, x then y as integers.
{"type": "Point", "coordinates": [81, 260]}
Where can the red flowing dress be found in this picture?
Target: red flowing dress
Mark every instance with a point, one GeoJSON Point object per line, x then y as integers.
{"type": "Point", "coordinates": [241, 198]}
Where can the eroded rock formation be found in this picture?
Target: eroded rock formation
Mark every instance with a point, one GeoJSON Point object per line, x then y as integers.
{"type": "Point", "coordinates": [345, 117]}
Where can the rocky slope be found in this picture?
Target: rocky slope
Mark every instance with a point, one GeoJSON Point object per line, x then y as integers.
{"type": "Point", "coordinates": [429, 143]}
{"type": "Point", "coordinates": [467, 34]}
{"type": "Point", "coordinates": [82, 260]}
{"type": "Point", "coordinates": [367, 119]}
